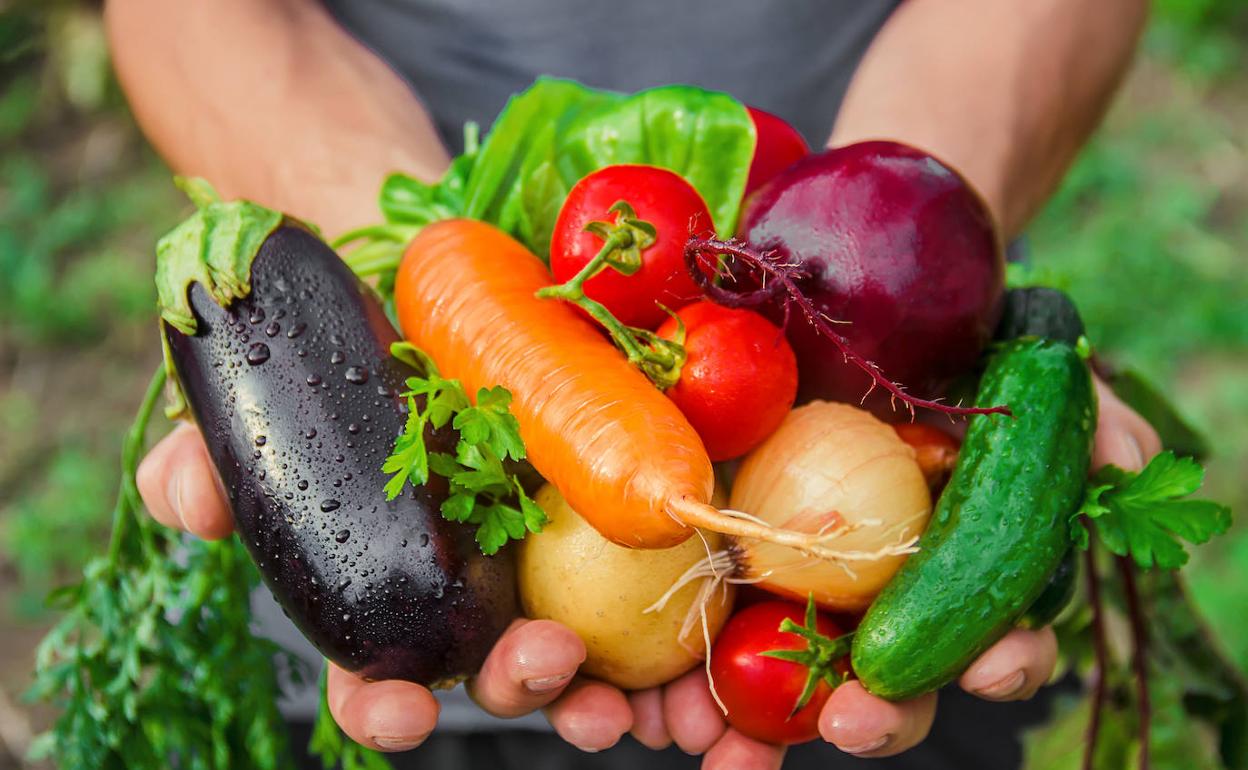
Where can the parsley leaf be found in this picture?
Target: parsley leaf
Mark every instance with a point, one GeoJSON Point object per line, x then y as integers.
{"type": "Point", "coordinates": [1141, 514]}
{"type": "Point", "coordinates": [483, 492]}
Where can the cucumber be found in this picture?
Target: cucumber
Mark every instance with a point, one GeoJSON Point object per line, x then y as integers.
{"type": "Point", "coordinates": [999, 529]}
{"type": "Point", "coordinates": [1056, 595]}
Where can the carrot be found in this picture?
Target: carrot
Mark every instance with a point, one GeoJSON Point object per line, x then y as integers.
{"type": "Point", "coordinates": [619, 451]}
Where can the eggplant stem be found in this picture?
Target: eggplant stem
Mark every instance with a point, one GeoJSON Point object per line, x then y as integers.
{"type": "Point", "coordinates": [1098, 646]}
{"type": "Point", "coordinates": [783, 278]}
{"type": "Point", "coordinates": [1139, 638]}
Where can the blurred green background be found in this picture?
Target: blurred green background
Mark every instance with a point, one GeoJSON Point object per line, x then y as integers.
{"type": "Point", "coordinates": [1149, 233]}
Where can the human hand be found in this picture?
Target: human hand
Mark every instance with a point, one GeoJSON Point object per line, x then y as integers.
{"type": "Point", "coordinates": [531, 666]}
{"type": "Point", "coordinates": [856, 721]}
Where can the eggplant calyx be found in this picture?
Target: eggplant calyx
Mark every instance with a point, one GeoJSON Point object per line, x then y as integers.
{"type": "Point", "coordinates": [213, 247]}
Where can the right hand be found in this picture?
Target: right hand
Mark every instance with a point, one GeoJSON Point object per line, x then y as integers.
{"type": "Point", "coordinates": [532, 665]}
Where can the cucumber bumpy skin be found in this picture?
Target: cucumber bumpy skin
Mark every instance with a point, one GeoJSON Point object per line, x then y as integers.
{"type": "Point", "coordinates": [1000, 528]}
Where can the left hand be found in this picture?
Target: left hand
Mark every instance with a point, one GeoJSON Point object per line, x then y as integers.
{"type": "Point", "coordinates": [856, 721]}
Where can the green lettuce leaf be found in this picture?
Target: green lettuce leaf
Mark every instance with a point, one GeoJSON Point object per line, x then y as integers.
{"type": "Point", "coordinates": [554, 133]}
{"type": "Point", "coordinates": [705, 136]}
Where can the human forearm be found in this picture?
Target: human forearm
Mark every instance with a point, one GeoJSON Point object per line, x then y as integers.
{"type": "Point", "coordinates": [1006, 92]}
{"type": "Point", "coordinates": [270, 100]}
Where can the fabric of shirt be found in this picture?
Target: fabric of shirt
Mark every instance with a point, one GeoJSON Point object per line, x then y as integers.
{"type": "Point", "coordinates": [465, 57]}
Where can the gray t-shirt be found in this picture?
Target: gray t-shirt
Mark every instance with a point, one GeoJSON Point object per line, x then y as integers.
{"type": "Point", "coordinates": [463, 58]}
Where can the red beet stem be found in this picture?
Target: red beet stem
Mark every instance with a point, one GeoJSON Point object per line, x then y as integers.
{"type": "Point", "coordinates": [777, 276]}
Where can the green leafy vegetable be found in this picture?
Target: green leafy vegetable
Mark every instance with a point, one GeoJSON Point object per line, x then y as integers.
{"type": "Point", "coordinates": [153, 664]}
{"type": "Point", "coordinates": [481, 487]}
{"type": "Point", "coordinates": [557, 131]}
{"type": "Point", "coordinates": [705, 136]}
{"type": "Point", "coordinates": [1141, 514]}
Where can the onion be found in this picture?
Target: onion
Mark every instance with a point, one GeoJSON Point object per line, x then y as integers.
{"type": "Point", "coordinates": [835, 469]}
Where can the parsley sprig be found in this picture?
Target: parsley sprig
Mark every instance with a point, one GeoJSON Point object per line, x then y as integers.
{"type": "Point", "coordinates": [1142, 515]}
{"type": "Point", "coordinates": [483, 492]}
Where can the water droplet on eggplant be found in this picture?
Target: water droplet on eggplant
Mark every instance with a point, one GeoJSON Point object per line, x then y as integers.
{"type": "Point", "coordinates": [258, 353]}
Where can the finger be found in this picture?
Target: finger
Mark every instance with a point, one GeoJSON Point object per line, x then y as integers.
{"type": "Point", "coordinates": [1013, 668]}
{"type": "Point", "coordinates": [734, 751]}
{"type": "Point", "coordinates": [179, 485]}
{"type": "Point", "coordinates": [1123, 438]}
{"type": "Point", "coordinates": [861, 724]}
{"type": "Point", "coordinates": [530, 666]}
{"type": "Point", "coordinates": [649, 728]}
{"type": "Point", "coordinates": [693, 718]}
{"type": "Point", "coordinates": [387, 716]}
{"type": "Point", "coordinates": [590, 715]}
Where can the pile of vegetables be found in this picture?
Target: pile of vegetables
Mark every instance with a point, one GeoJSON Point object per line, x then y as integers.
{"type": "Point", "coordinates": [669, 350]}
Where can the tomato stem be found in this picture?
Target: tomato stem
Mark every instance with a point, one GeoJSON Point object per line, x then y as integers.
{"type": "Point", "coordinates": [783, 278]}
{"type": "Point", "coordinates": [622, 244]}
{"type": "Point", "coordinates": [820, 656]}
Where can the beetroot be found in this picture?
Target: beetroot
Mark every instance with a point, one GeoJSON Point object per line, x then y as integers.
{"type": "Point", "coordinates": [896, 244]}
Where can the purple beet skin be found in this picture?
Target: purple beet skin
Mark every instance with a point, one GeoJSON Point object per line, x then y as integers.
{"type": "Point", "coordinates": [898, 245]}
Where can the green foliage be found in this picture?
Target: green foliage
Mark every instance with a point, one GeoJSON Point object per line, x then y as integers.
{"type": "Point", "coordinates": [551, 135]}
{"type": "Point", "coordinates": [481, 486]}
{"type": "Point", "coordinates": [1143, 514]}
{"type": "Point", "coordinates": [1148, 237]}
{"type": "Point", "coordinates": [60, 286]}
{"type": "Point", "coordinates": [153, 661]}
{"type": "Point", "coordinates": [1203, 37]}
{"type": "Point", "coordinates": [55, 528]}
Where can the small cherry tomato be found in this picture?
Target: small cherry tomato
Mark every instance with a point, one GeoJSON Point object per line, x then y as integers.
{"type": "Point", "coordinates": [656, 195]}
{"type": "Point", "coordinates": [739, 379]}
{"type": "Point", "coordinates": [935, 450]}
{"type": "Point", "coordinates": [760, 691]}
{"type": "Point", "coordinates": [779, 146]}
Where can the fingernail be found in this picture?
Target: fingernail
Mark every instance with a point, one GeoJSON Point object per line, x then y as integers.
{"type": "Point", "coordinates": [173, 496]}
{"type": "Point", "coordinates": [547, 683]}
{"type": "Point", "coordinates": [1132, 452]}
{"type": "Point", "coordinates": [586, 749]}
{"type": "Point", "coordinates": [397, 744]}
{"type": "Point", "coordinates": [866, 747]}
{"type": "Point", "coordinates": [1004, 687]}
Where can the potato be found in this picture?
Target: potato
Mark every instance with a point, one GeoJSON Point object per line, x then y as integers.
{"type": "Point", "coordinates": [571, 574]}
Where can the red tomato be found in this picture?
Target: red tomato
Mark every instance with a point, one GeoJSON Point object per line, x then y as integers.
{"type": "Point", "coordinates": [658, 196]}
{"type": "Point", "coordinates": [739, 379]}
{"type": "Point", "coordinates": [760, 692]}
{"type": "Point", "coordinates": [935, 450]}
{"type": "Point", "coordinates": [779, 146]}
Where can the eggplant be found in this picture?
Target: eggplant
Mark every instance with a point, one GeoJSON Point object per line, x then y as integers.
{"type": "Point", "coordinates": [296, 393]}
